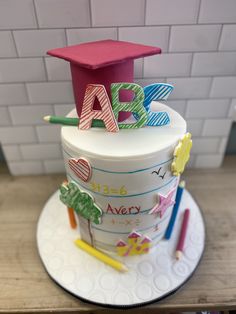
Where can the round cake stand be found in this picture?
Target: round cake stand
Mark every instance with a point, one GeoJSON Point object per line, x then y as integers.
{"type": "Point", "coordinates": [151, 277]}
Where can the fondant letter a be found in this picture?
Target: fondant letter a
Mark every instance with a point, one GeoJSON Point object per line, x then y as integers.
{"type": "Point", "coordinates": [88, 113]}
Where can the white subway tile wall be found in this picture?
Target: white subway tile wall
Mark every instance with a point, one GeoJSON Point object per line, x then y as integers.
{"type": "Point", "coordinates": [223, 87]}
{"type": "Point", "coordinates": [22, 115]}
{"type": "Point", "coordinates": [194, 38]}
{"type": "Point", "coordinates": [54, 166]}
{"type": "Point", "coordinates": [211, 108]}
{"type": "Point", "coordinates": [17, 135]}
{"type": "Point", "coordinates": [17, 14]}
{"type": "Point", "coordinates": [228, 38]}
{"type": "Point", "coordinates": [13, 94]}
{"type": "Point", "coordinates": [232, 110]}
{"type": "Point", "coordinates": [41, 151]}
{"type": "Point", "coordinates": [198, 44]}
{"type": "Point", "coordinates": [175, 64]}
{"type": "Point", "coordinates": [7, 46]}
{"type": "Point", "coordinates": [209, 161]}
{"type": "Point", "coordinates": [195, 126]}
{"type": "Point", "coordinates": [178, 105]}
{"type": "Point", "coordinates": [166, 12]}
{"type": "Point", "coordinates": [62, 13]}
{"type": "Point", "coordinates": [205, 145]}
{"type": "Point", "coordinates": [22, 70]}
{"type": "Point", "coordinates": [50, 92]}
{"type": "Point", "coordinates": [148, 35]}
{"type": "Point", "coordinates": [217, 11]}
{"type": "Point", "coordinates": [138, 68]}
{"type": "Point", "coordinates": [12, 152]}
{"type": "Point", "coordinates": [57, 69]}
{"type": "Point", "coordinates": [48, 133]}
{"type": "Point", "coordinates": [117, 13]}
{"type": "Point", "coordinates": [4, 116]}
{"type": "Point", "coordinates": [216, 127]}
{"type": "Point", "coordinates": [63, 110]}
{"type": "Point", "coordinates": [82, 35]}
{"type": "Point", "coordinates": [190, 87]}
{"type": "Point", "coordinates": [36, 43]}
{"type": "Point", "coordinates": [214, 63]}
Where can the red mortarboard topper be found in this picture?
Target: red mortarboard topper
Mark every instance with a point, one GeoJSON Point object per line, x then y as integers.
{"type": "Point", "coordinates": [102, 62]}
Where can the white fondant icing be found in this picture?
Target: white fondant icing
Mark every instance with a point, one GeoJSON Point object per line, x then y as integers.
{"type": "Point", "coordinates": [129, 169]}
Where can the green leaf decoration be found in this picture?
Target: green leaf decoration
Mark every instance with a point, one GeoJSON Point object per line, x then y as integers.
{"type": "Point", "coordinates": [81, 202]}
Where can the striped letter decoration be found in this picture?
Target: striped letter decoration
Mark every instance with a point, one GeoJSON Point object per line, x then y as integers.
{"type": "Point", "coordinates": [92, 92]}
{"type": "Point", "coordinates": [135, 106]}
{"type": "Point", "coordinates": [157, 91]}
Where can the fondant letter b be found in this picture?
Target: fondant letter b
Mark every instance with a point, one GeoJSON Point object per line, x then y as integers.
{"type": "Point", "coordinates": [92, 92]}
{"type": "Point", "coordinates": [135, 106]}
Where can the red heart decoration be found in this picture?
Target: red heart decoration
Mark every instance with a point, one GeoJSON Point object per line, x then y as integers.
{"type": "Point", "coordinates": [81, 167]}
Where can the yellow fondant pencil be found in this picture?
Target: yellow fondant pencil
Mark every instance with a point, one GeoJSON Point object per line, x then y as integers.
{"type": "Point", "coordinates": [101, 256]}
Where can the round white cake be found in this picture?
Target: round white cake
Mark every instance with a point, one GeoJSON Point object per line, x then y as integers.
{"type": "Point", "coordinates": [130, 172]}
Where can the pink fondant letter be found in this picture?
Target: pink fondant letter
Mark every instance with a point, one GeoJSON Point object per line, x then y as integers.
{"type": "Point", "coordinates": [92, 92]}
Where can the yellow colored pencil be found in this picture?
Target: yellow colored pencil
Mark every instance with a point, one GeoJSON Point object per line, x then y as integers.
{"type": "Point", "coordinates": [101, 256]}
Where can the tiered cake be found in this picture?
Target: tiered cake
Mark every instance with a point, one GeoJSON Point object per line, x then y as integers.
{"type": "Point", "coordinates": [122, 177]}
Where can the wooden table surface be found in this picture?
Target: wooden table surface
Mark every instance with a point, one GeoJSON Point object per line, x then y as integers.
{"type": "Point", "coordinates": [25, 286]}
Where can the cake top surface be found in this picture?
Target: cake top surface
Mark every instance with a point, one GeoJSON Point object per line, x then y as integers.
{"type": "Point", "coordinates": [102, 53]}
{"type": "Point", "coordinates": [127, 143]}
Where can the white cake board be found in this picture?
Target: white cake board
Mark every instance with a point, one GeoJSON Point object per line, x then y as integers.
{"type": "Point", "coordinates": [151, 277]}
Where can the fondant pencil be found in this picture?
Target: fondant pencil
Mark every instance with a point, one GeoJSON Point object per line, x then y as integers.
{"type": "Point", "coordinates": [72, 219]}
{"type": "Point", "coordinates": [182, 236]}
{"type": "Point", "coordinates": [101, 256]}
{"type": "Point", "coordinates": [175, 210]}
{"type": "Point", "coordinates": [71, 121]}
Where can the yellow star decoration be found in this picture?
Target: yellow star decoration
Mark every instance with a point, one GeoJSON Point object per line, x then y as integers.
{"type": "Point", "coordinates": [181, 154]}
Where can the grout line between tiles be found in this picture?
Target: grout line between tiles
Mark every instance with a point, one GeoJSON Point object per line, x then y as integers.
{"type": "Point", "coordinates": [198, 13]}
{"type": "Point", "coordinates": [220, 35]}
{"type": "Point", "coordinates": [14, 43]}
{"type": "Point", "coordinates": [90, 13]}
{"type": "Point", "coordinates": [35, 13]}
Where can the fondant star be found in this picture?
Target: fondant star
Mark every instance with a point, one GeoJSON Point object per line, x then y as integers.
{"type": "Point", "coordinates": [163, 203]}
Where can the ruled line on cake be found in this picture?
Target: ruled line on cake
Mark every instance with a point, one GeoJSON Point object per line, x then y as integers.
{"type": "Point", "coordinates": [123, 196]}
{"type": "Point", "coordinates": [138, 230]}
{"type": "Point", "coordinates": [124, 172]}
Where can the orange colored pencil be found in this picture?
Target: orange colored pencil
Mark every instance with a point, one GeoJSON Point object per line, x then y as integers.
{"type": "Point", "coordinates": [72, 219]}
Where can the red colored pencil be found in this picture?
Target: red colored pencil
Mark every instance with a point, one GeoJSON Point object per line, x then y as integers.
{"type": "Point", "coordinates": [182, 236]}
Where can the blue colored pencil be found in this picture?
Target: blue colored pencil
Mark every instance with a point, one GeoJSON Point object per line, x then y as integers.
{"type": "Point", "coordinates": [175, 210]}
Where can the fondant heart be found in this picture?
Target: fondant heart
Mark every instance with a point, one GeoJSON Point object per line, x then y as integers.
{"type": "Point", "coordinates": [81, 167]}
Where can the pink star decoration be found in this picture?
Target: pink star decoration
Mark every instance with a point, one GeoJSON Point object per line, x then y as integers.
{"type": "Point", "coordinates": [164, 202]}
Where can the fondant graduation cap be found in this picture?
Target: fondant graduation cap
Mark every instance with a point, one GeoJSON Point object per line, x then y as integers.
{"type": "Point", "coordinates": [102, 62]}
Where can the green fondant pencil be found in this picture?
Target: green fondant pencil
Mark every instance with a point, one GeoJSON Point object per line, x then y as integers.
{"type": "Point", "coordinates": [71, 121]}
